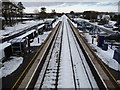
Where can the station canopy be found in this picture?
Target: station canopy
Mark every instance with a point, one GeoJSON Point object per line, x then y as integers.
{"type": "Point", "coordinates": [17, 40]}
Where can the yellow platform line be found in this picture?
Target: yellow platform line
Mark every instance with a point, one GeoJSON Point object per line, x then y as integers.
{"type": "Point", "coordinates": [26, 67]}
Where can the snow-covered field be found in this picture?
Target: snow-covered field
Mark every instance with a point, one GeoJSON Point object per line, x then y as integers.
{"type": "Point", "coordinates": [10, 66]}
{"type": "Point", "coordinates": [105, 56]}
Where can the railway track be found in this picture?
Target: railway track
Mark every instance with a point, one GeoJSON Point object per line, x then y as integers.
{"type": "Point", "coordinates": [20, 33]}
{"type": "Point", "coordinates": [50, 72]}
{"type": "Point", "coordinates": [63, 63]}
{"type": "Point", "coordinates": [89, 80]}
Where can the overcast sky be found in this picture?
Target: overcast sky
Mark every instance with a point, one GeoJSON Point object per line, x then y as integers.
{"type": "Point", "coordinates": [71, 5]}
{"type": "Point", "coordinates": [65, 0]}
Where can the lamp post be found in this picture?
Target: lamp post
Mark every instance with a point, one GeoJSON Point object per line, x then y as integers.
{"type": "Point", "coordinates": [37, 33]}
{"type": "Point", "coordinates": [93, 34]}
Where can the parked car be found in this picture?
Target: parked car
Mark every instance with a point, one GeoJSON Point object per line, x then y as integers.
{"type": "Point", "coordinates": [100, 23]}
{"type": "Point", "coordinates": [79, 25]}
{"type": "Point", "coordinates": [93, 20]}
{"type": "Point", "coordinates": [108, 26]}
{"type": "Point", "coordinates": [116, 29]}
{"type": "Point", "coordinates": [114, 36]}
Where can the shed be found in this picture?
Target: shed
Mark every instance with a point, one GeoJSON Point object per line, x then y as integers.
{"type": "Point", "coordinates": [18, 46]}
{"type": "Point", "coordinates": [27, 34]}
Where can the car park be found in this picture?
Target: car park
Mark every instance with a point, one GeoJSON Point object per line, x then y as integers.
{"type": "Point", "coordinates": [108, 26]}
{"type": "Point", "coordinates": [116, 29]}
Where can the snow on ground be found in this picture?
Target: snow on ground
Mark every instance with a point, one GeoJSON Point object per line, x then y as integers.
{"type": "Point", "coordinates": [105, 56]}
{"type": "Point", "coordinates": [10, 66]}
{"type": "Point", "coordinates": [81, 19]}
{"type": "Point", "coordinates": [80, 64]}
{"type": "Point", "coordinates": [26, 34]}
{"type": "Point", "coordinates": [66, 79]}
{"type": "Point", "coordinates": [14, 63]}
{"type": "Point", "coordinates": [112, 23]}
{"type": "Point", "coordinates": [49, 19]}
{"type": "Point", "coordinates": [41, 26]}
{"type": "Point", "coordinates": [96, 23]}
{"type": "Point", "coordinates": [75, 25]}
{"type": "Point", "coordinates": [55, 23]}
{"type": "Point", "coordinates": [20, 27]}
{"type": "Point", "coordinates": [50, 76]}
{"type": "Point", "coordinates": [65, 74]}
{"type": "Point", "coordinates": [41, 39]}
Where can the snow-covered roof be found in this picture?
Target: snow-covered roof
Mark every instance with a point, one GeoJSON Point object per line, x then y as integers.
{"type": "Point", "coordinates": [41, 26]}
{"type": "Point", "coordinates": [26, 34]}
{"type": "Point", "coordinates": [16, 40]}
{"type": "Point", "coordinates": [106, 16]}
{"type": "Point", "coordinates": [4, 45]}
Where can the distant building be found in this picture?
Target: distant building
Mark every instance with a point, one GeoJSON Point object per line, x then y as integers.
{"type": "Point", "coordinates": [106, 17]}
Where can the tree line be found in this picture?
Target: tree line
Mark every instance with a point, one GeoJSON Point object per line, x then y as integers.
{"type": "Point", "coordinates": [42, 14]}
{"type": "Point", "coordinates": [93, 16]}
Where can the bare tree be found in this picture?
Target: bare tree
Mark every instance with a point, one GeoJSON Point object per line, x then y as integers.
{"type": "Point", "coordinates": [53, 13]}
{"type": "Point", "coordinates": [43, 14]}
{"type": "Point", "coordinates": [72, 14]}
{"type": "Point", "coordinates": [20, 9]}
{"type": "Point", "coordinates": [43, 9]}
